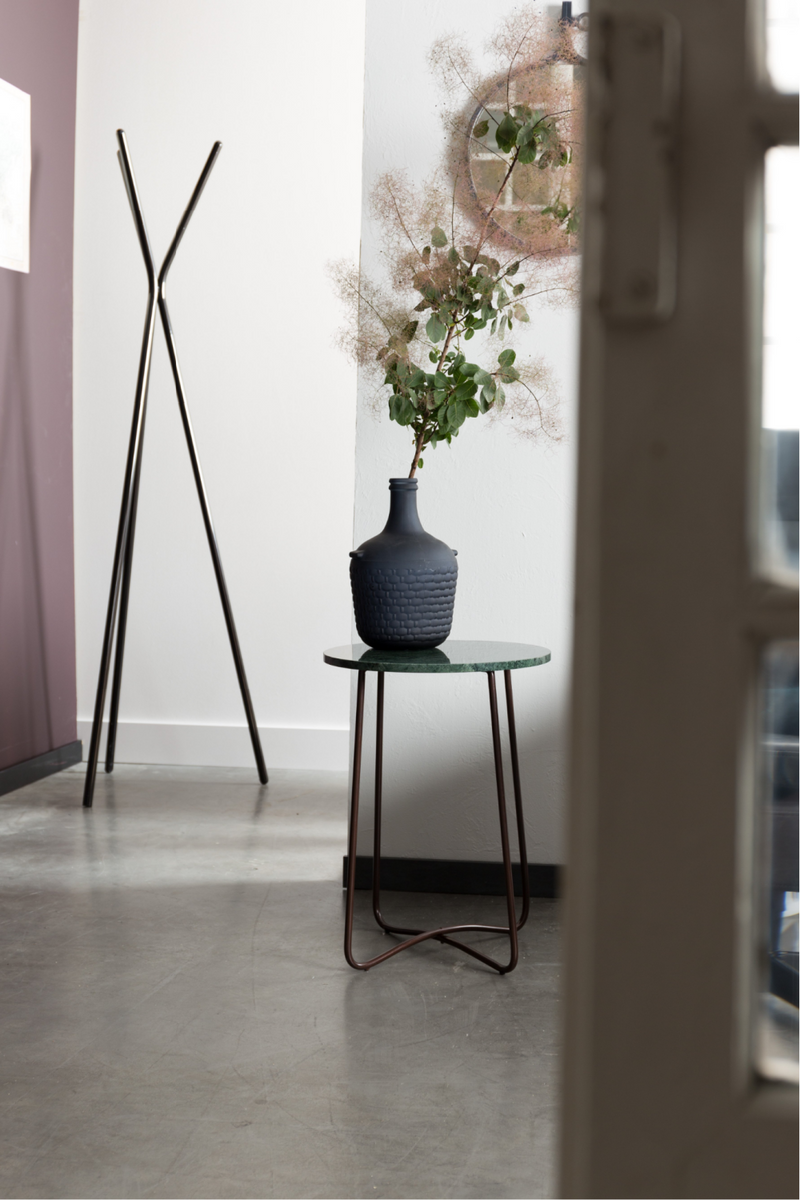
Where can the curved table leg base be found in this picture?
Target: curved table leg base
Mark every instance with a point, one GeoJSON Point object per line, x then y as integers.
{"type": "Point", "coordinates": [387, 928]}
{"type": "Point", "coordinates": [440, 935]}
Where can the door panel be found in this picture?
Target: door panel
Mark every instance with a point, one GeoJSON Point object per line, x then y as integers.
{"type": "Point", "coordinates": [661, 1096]}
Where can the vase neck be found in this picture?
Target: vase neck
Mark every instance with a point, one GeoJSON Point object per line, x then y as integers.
{"type": "Point", "coordinates": [403, 507]}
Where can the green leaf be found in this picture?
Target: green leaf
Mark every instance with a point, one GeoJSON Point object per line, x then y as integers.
{"type": "Point", "coordinates": [487, 261]}
{"type": "Point", "coordinates": [440, 380]}
{"type": "Point", "coordinates": [482, 377]}
{"type": "Point", "coordinates": [470, 333]}
{"type": "Point", "coordinates": [481, 129]}
{"type": "Point", "coordinates": [512, 270]}
{"type": "Point", "coordinates": [472, 407]}
{"type": "Point", "coordinates": [456, 414]}
{"type": "Point", "coordinates": [531, 131]}
{"type": "Point", "coordinates": [487, 396]}
{"type": "Point", "coordinates": [521, 313]}
{"type": "Point", "coordinates": [409, 330]}
{"type": "Point", "coordinates": [518, 289]}
{"type": "Point", "coordinates": [499, 398]}
{"type": "Point", "coordinates": [405, 411]}
{"type": "Point", "coordinates": [465, 390]}
{"type": "Point", "coordinates": [433, 355]}
{"type": "Point", "coordinates": [418, 379]}
{"type": "Point", "coordinates": [469, 253]}
{"type": "Point", "coordinates": [420, 463]}
{"type": "Point", "coordinates": [470, 369]}
{"type": "Point", "coordinates": [506, 358]}
{"type": "Point", "coordinates": [528, 153]}
{"type": "Point", "coordinates": [506, 134]}
{"type": "Point", "coordinates": [401, 409]}
{"type": "Point", "coordinates": [452, 256]}
{"type": "Point", "coordinates": [438, 237]}
{"type": "Point", "coordinates": [509, 374]}
{"type": "Point", "coordinates": [436, 331]}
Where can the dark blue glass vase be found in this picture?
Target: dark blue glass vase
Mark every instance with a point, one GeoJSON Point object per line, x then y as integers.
{"type": "Point", "coordinates": [403, 580]}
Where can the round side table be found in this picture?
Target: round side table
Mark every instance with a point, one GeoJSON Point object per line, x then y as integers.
{"type": "Point", "coordinates": [451, 657]}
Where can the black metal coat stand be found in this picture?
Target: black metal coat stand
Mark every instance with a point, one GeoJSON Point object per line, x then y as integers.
{"type": "Point", "coordinates": [123, 552]}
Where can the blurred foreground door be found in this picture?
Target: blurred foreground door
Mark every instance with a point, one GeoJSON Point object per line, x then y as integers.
{"type": "Point", "coordinates": [682, 607]}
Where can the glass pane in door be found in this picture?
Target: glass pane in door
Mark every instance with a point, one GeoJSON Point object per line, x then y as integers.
{"type": "Point", "coordinates": [780, 387]}
{"type": "Point", "coordinates": [777, 1029]}
{"type": "Point", "coordinates": [783, 44]}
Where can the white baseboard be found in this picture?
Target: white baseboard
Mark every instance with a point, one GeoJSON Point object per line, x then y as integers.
{"type": "Point", "coordinates": [224, 745]}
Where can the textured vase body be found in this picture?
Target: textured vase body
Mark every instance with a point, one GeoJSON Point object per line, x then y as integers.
{"type": "Point", "coordinates": [403, 580]}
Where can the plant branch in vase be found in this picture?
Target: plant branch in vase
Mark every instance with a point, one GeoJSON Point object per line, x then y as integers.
{"type": "Point", "coordinates": [496, 227]}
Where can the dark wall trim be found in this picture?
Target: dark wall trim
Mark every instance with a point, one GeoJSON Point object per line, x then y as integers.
{"type": "Point", "coordinates": [21, 774]}
{"type": "Point", "coordinates": [444, 875]}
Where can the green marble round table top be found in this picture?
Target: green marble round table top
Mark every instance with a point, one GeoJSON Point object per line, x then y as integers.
{"type": "Point", "coordinates": [450, 656]}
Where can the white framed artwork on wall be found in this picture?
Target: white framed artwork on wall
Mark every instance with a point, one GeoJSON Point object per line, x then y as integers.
{"type": "Point", "coordinates": [15, 177]}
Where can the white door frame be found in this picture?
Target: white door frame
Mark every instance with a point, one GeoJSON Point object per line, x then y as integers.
{"type": "Point", "coordinates": [660, 1097]}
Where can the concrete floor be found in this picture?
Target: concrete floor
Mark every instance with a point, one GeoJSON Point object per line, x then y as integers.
{"type": "Point", "coordinates": [178, 1018]}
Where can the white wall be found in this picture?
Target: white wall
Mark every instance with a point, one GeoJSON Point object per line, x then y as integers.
{"type": "Point", "coordinates": [505, 505]}
{"type": "Point", "coordinates": [274, 409]}
{"type": "Point", "coordinates": [273, 401]}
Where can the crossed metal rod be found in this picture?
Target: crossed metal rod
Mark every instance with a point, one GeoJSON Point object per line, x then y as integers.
{"type": "Point", "coordinates": [123, 553]}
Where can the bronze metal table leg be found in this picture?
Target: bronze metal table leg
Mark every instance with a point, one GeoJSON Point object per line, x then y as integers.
{"type": "Point", "coordinates": [442, 934]}
{"type": "Point", "coordinates": [523, 852]}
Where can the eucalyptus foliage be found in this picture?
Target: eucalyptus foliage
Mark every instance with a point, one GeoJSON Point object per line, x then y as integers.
{"type": "Point", "coordinates": [468, 292]}
{"type": "Point", "coordinates": [462, 265]}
